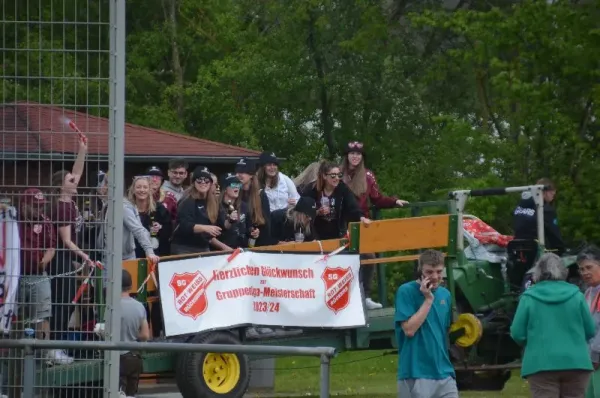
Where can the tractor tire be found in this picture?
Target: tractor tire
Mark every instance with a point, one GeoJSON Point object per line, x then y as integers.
{"type": "Point", "coordinates": [491, 380]}
{"type": "Point", "coordinates": [212, 375]}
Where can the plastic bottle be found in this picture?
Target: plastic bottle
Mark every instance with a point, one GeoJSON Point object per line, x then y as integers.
{"type": "Point", "coordinates": [87, 214]}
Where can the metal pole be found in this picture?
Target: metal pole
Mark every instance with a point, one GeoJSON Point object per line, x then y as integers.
{"type": "Point", "coordinates": [29, 372]}
{"type": "Point", "coordinates": [116, 156]}
{"type": "Point", "coordinates": [168, 347]}
{"type": "Point", "coordinates": [325, 362]}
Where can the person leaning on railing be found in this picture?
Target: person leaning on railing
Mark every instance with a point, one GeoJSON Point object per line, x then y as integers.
{"type": "Point", "coordinates": [363, 185]}
{"type": "Point", "coordinates": [199, 221]}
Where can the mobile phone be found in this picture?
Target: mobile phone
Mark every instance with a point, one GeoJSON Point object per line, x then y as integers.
{"type": "Point", "coordinates": [428, 284]}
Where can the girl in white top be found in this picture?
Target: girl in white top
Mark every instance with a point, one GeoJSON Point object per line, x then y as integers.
{"type": "Point", "coordinates": [280, 189]}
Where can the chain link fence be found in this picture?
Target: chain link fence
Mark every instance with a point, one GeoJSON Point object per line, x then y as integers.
{"type": "Point", "coordinates": [62, 73]}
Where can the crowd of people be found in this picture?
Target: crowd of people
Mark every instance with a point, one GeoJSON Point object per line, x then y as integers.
{"type": "Point", "coordinates": [188, 211]}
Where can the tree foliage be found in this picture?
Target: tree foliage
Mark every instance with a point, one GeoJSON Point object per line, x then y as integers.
{"type": "Point", "coordinates": [445, 95]}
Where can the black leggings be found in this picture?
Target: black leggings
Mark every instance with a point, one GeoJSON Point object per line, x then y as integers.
{"type": "Point", "coordinates": [64, 289]}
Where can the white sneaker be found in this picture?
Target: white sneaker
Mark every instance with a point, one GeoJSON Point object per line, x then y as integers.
{"type": "Point", "coordinates": [372, 305]}
{"type": "Point", "coordinates": [59, 357]}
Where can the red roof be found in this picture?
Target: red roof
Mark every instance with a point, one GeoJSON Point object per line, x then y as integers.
{"type": "Point", "coordinates": [35, 129]}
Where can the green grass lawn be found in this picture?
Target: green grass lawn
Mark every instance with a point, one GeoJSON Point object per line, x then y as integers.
{"type": "Point", "coordinates": [362, 373]}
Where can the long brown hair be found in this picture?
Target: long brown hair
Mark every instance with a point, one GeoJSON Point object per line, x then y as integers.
{"type": "Point", "coordinates": [324, 168]}
{"type": "Point", "coordinates": [255, 203]}
{"type": "Point", "coordinates": [357, 179]}
{"type": "Point", "coordinates": [262, 178]}
{"type": "Point", "coordinates": [57, 182]}
{"type": "Point", "coordinates": [212, 203]}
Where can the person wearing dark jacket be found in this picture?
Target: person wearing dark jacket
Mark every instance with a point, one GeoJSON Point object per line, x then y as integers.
{"type": "Point", "coordinates": [258, 204]}
{"type": "Point", "coordinates": [236, 211]}
{"type": "Point", "coordinates": [336, 204]}
{"type": "Point", "coordinates": [525, 218]}
{"type": "Point", "coordinates": [297, 225]}
{"type": "Point", "coordinates": [199, 220]}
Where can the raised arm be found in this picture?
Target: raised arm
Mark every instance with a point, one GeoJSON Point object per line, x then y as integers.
{"type": "Point", "coordinates": [79, 164]}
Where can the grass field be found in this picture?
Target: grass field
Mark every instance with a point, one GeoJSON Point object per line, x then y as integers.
{"type": "Point", "coordinates": [364, 374]}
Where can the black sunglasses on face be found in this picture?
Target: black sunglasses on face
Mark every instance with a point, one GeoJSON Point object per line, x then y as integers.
{"type": "Point", "coordinates": [334, 175]}
{"type": "Point", "coordinates": [203, 180]}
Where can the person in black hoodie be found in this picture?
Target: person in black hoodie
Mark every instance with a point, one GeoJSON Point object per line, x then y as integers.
{"type": "Point", "coordinates": [336, 204]}
{"type": "Point", "coordinates": [258, 204]}
{"type": "Point", "coordinates": [199, 221]}
{"type": "Point", "coordinates": [525, 219]}
{"type": "Point", "coordinates": [236, 211]}
{"type": "Point", "coordinates": [297, 226]}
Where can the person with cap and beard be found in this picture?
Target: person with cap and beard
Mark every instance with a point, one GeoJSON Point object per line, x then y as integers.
{"type": "Point", "coordinates": [236, 211]}
{"type": "Point", "coordinates": [298, 223]}
{"type": "Point", "coordinates": [199, 221]}
{"type": "Point", "coordinates": [257, 201]}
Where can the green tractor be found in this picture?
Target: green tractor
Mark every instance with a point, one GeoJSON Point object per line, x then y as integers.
{"type": "Point", "coordinates": [486, 278]}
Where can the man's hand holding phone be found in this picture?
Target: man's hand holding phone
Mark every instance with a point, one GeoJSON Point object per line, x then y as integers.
{"type": "Point", "coordinates": [426, 288]}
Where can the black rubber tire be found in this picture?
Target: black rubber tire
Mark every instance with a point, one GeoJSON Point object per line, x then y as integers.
{"type": "Point", "coordinates": [188, 369]}
{"type": "Point", "coordinates": [493, 380]}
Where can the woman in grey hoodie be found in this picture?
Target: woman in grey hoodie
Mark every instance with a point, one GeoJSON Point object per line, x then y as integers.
{"type": "Point", "coordinates": [132, 224]}
{"type": "Point", "coordinates": [588, 261]}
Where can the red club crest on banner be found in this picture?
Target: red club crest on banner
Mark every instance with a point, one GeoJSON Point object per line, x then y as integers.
{"type": "Point", "coordinates": [189, 293]}
{"type": "Point", "coordinates": [338, 283]}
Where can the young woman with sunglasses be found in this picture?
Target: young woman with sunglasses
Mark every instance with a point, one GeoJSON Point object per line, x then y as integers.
{"type": "Point", "coordinates": [363, 185]}
{"type": "Point", "coordinates": [235, 211]}
{"type": "Point", "coordinates": [257, 201]}
{"type": "Point", "coordinates": [199, 220]}
{"type": "Point", "coordinates": [336, 205]}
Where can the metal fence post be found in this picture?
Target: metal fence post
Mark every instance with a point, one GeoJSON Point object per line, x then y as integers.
{"type": "Point", "coordinates": [29, 372]}
{"type": "Point", "coordinates": [325, 363]}
{"type": "Point", "coordinates": [116, 153]}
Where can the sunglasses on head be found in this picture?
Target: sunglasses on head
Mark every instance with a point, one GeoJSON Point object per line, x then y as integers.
{"type": "Point", "coordinates": [335, 175]}
{"type": "Point", "coordinates": [203, 180]}
{"type": "Point", "coordinates": [355, 145]}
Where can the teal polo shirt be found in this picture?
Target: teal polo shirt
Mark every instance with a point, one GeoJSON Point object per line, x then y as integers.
{"type": "Point", "coordinates": [425, 355]}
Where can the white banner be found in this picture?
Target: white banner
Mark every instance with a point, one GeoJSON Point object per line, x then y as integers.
{"type": "Point", "coordinates": [269, 289]}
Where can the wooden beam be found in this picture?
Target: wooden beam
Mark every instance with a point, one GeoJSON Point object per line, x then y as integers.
{"type": "Point", "coordinates": [393, 259]}
{"type": "Point", "coordinates": [405, 234]}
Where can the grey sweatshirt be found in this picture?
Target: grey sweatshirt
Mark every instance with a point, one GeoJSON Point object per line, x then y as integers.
{"type": "Point", "coordinates": [133, 228]}
{"type": "Point", "coordinates": [594, 343]}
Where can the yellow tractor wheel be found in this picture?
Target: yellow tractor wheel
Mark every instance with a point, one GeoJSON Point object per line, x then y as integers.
{"type": "Point", "coordinates": [473, 330]}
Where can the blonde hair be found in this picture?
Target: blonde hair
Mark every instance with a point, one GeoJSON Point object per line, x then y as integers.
{"type": "Point", "coordinates": [308, 175]}
{"type": "Point", "coordinates": [131, 194]}
{"type": "Point", "coordinates": [358, 181]}
{"type": "Point", "coordinates": [297, 219]}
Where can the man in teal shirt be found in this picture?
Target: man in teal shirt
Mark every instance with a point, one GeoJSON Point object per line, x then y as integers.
{"type": "Point", "coordinates": [423, 317]}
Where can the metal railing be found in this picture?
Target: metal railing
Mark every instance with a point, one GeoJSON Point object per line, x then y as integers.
{"type": "Point", "coordinates": [30, 346]}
